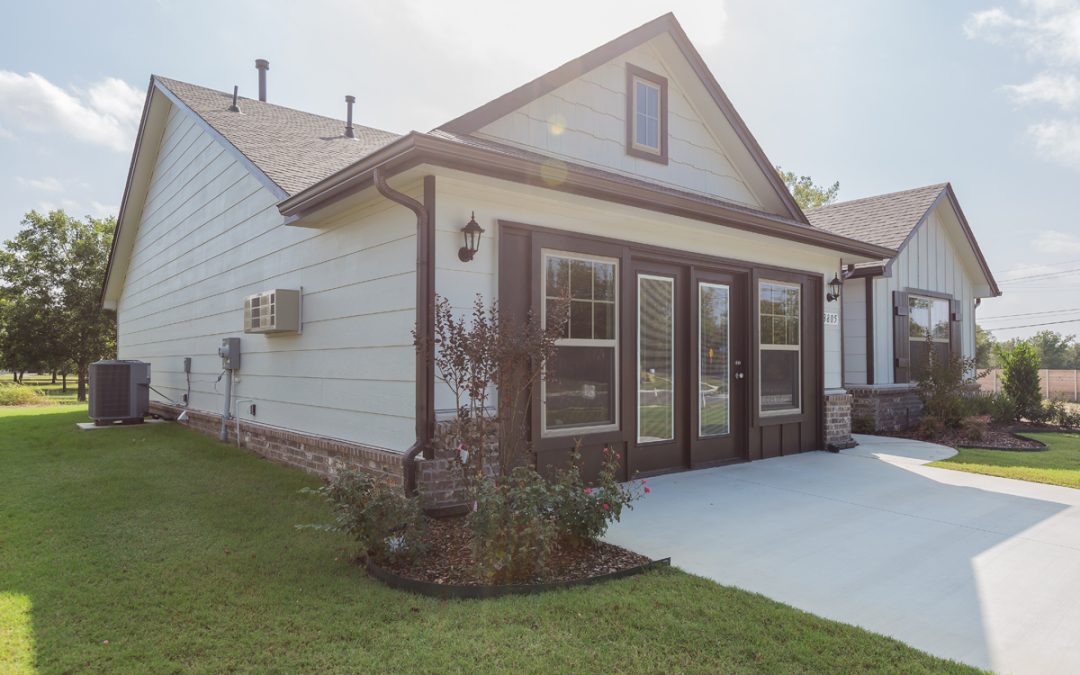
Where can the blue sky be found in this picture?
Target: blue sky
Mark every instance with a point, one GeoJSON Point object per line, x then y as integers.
{"type": "Point", "coordinates": [881, 96]}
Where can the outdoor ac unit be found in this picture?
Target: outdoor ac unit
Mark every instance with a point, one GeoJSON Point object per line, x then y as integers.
{"type": "Point", "coordinates": [275, 311]}
{"type": "Point", "coordinates": [119, 391]}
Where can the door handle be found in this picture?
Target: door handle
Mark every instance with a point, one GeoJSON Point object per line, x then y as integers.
{"type": "Point", "coordinates": [739, 376]}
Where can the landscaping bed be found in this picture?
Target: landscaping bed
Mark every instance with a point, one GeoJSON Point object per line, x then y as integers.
{"type": "Point", "coordinates": [449, 559]}
{"type": "Point", "coordinates": [993, 437]}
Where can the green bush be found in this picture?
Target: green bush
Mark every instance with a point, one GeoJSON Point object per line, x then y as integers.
{"type": "Point", "coordinates": [945, 388]}
{"type": "Point", "coordinates": [974, 428]}
{"type": "Point", "coordinates": [930, 427]}
{"type": "Point", "coordinates": [1002, 409]}
{"type": "Point", "coordinates": [863, 425]}
{"type": "Point", "coordinates": [1020, 380]}
{"type": "Point", "coordinates": [513, 531]}
{"type": "Point", "coordinates": [978, 403]}
{"type": "Point", "coordinates": [582, 514]}
{"type": "Point", "coordinates": [1057, 413]}
{"type": "Point", "coordinates": [18, 394]}
{"type": "Point", "coordinates": [388, 525]}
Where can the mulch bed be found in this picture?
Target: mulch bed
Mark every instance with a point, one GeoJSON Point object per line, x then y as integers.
{"type": "Point", "coordinates": [994, 438]}
{"type": "Point", "coordinates": [449, 559]}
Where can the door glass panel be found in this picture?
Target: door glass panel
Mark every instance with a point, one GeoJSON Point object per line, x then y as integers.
{"type": "Point", "coordinates": [656, 359]}
{"type": "Point", "coordinates": [714, 404]}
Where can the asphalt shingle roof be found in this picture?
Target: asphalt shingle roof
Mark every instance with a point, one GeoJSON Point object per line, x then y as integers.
{"type": "Point", "coordinates": [885, 220]}
{"type": "Point", "coordinates": [295, 149]}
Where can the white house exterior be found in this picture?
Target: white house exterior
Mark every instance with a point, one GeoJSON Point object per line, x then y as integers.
{"type": "Point", "coordinates": [701, 332]}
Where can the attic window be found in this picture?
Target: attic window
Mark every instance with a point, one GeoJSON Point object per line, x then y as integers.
{"type": "Point", "coordinates": [646, 114]}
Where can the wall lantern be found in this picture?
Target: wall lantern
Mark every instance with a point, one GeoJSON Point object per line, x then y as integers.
{"type": "Point", "coordinates": [834, 286]}
{"type": "Point", "coordinates": [472, 232]}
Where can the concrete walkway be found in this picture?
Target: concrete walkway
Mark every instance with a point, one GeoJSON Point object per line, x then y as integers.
{"type": "Point", "coordinates": [979, 569]}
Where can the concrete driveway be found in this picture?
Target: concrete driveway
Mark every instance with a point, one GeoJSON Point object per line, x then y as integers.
{"type": "Point", "coordinates": [979, 569]}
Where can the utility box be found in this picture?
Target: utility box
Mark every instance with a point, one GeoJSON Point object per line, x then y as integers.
{"type": "Point", "coordinates": [273, 311]}
{"type": "Point", "coordinates": [119, 392]}
{"type": "Point", "coordinates": [229, 351]}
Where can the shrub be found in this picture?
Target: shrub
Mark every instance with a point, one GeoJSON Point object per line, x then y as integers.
{"type": "Point", "coordinates": [979, 403]}
{"type": "Point", "coordinates": [388, 525]}
{"type": "Point", "coordinates": [513, 531]}
{"type": "Point", "coordinates": [863, 425]}
{"type": "Point", "coordinates": [1056, 412]}
{"type": "Point", "coordinates": [930, 427]}
{"type": "Point", "coordinates": [1020, 380]}
{"type": "Point", "coordinates": [1002, 409]}
{"type": "Point", "coordinates": [944, 388]}
{"type": "Point", "coordinates": [582, 514]}
{"type": "Point", "coordinates": [974, 428]}
{"type": "Point", "coordinates": [17, 394]}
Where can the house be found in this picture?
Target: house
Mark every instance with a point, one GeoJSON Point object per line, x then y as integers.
{"type": "Point", "coordinates": [703, 328]}
{"type": "Point", "coordinates": [896, 310]}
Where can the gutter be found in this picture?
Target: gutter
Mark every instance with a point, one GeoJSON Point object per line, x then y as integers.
{"type": "Point", "coordinates": [416, 148]}
{"type": "Point", "coordinates": [425, 318]}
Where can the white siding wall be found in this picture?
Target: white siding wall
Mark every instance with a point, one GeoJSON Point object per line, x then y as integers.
{"type": "Point", "coordinates": [210, 235]}
{"type": "Point", "coordinates": [585, 121]}
{"type": "Point", "coordinates": [494, 200]}
{"type": "Point", "coordinates": [853, 298]}
{"type": "Point", "coordinates": [930, 262]}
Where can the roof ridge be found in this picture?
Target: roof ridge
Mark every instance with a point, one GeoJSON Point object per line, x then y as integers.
{"type": "Point", "coordinates": [936, 186]}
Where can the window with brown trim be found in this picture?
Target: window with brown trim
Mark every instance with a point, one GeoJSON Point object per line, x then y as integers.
{"type": "Point", "coordinates": [646, 114]}
{"type": "Point", "coordinates": [780, 314]}
{"type": "Point", "coordinates": [928, 331]}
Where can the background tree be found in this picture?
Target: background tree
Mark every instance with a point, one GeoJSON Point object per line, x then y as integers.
{"type": "Point", "coordinates": [807, 194]}
{"type": "Point", "coordinates": [985, 342]}
{"type": "Point", "coordinates": [1020, 379]}
{"type": "Point", "coordinates": [1055, 350]}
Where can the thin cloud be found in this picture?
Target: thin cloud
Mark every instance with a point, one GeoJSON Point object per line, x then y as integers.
{"type": "Point", "coordinates": [1058, 140]}
{"type": "Point", "coordinates": [46, 184]}
{"type": "Point", "coordinates": [1059, 89]}
{"type": "Point", "coordinates": [1057, 242]}
{"type": "Point", "coordinates": [107, 114]}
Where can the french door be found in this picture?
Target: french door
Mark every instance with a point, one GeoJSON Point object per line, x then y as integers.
{"type": "Point", "coordinates": [689, 368]}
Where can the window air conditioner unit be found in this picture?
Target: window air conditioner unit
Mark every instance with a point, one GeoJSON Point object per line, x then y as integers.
{"type": "Point", "coordinates": [274, 311]}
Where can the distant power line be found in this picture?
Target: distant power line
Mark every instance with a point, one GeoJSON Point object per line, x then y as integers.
{"type": "Point", "coordinates": [1044, 275]}
{"type": "Point", "coordinates": [1013, 316]}
{"type": "Point", "coordinates": [1035, 325]}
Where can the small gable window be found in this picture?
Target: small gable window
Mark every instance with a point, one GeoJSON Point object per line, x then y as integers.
{"type": "Point", "coordinates": [646, 114]}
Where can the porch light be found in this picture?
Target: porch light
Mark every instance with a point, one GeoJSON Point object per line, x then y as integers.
{"type": "Point", "coordinates": [471, 232]}
{"type": "Point", "coordinates": [834, 286]}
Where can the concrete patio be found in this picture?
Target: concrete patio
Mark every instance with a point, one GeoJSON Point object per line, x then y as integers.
{"type": "Point", "coordinates": [979, 569]}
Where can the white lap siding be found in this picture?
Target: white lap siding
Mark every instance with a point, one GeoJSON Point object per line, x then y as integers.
{"type": "Point", "coordinates": [210, 234]}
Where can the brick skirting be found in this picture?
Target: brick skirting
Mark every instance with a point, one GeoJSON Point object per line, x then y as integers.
{"type": "Point", "coordinates": [886, 408]}
{"type": "Point", "coordinates": [314, 454]}
{"type": "Point", "coordinates": [838, 420]}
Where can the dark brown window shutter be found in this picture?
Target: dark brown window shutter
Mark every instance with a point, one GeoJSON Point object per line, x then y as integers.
{"type": "Point", "coordinates": [901, 336]}
{"type": "Point", "coordinates": [956, 328]}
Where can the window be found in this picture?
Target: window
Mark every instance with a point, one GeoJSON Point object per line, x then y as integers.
{"type": "Point", "coordinates": [779, 312]}
{"type": "Point", "coordinates": [646, 114]}
{"type": "Point", "coordinates": [656, 358]}
{"type": "Point", "coordinates": [580, 388]}
{"type": "Point", "coordinates": [714, 405]}
{"type": "Point", "coordinates": [928, 330]}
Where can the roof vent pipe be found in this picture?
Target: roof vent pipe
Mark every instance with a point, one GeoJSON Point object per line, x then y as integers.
{"type": "Point", "coordinates": [262, 65]}
{"type": "Point", "coordinates": [349, 100]}
{"type": "Point", "coordinates": [235, 107]}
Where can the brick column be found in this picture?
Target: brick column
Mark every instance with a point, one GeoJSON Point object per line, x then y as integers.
{"type": "Point", "coordinates": [838, 420]}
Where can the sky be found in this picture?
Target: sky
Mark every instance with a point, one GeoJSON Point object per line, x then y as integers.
{"type": "Point", "coordinates": [880, 96]}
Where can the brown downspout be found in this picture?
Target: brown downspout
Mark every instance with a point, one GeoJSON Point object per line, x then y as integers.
{"type": "Point", "coordinates": [425, 318]}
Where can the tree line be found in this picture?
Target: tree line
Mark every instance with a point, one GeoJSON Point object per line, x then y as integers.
{"type": "Point", "coordinates": [51, 276]}
{"type": "Point", "coordinates": [1056, 351]}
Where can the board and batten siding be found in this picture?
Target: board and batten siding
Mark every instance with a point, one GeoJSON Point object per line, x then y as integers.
{"type": "Point", "coordinates": [853, 298]}
{"type": "Point", "coordinates": [930, 261]}
{"type": "Point", "coordinates": [210, 234]}
{"type": "Point", "coordinates": [584, 121]}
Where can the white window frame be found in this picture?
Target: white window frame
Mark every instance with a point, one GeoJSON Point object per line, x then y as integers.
{"type": "Point", "coordinates": [658, 148]}
{"type": "Point", "coordinates": [674, 368]}
{"type": "Point", "coordinates": [700, 304]}
{"type": "Point", "coordinates": [546, 254]}
{"type": "Point", "coordinates": [795, 348]}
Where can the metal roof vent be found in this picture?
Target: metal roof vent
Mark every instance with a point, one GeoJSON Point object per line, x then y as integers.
{"type": "Point", "coordinates": [235, 107]}
{"type": "Point", "coordinates": [349, 100]}
{"type": "Point", "coordinates": [262, 65]}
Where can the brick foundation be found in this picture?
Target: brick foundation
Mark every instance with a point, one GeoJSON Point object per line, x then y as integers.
{"type": "Point", "coordinates": [838, 420]}
{"type": "Point", "coordinates": [885, 407]}
{"type": "Point", "coordinates": [436, 481]}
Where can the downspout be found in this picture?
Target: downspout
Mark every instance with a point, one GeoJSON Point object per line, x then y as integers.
{"type": "Point", "coordinates": [425, 318]}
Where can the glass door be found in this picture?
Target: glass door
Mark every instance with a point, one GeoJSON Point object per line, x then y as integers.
{"type": "Point", "coordinates": [719, 369]}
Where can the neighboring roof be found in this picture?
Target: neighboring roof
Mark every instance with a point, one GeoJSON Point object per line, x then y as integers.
{"type": "Point", "coordinates": [489, 112]}
{"type": "Point", "coordinates": [294, 149]}
{"type": "Point", "coordinates": [886, 220]}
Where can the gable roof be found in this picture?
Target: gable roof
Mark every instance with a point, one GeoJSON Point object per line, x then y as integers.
{"type": "Point", "coordinates": [489, 112]}
{"type": "Point", "coordinates": [294, 149]}
{"type": "Point", "coordinates": [890, 220]}
{"type": "Point", "coordinates": [886, 220]}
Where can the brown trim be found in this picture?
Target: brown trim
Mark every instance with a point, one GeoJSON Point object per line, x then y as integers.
{"type": "Point", "coordinates": [869, 281]}
{"type": "Point", "coordinates": [507, 103]}
{"type": "Point", "coordinates": [929, 294]}
{"type": "Point", "coordinates": [424, 411]}
{"type": "Point", "coordinates": [634, 72]}
{"type": "Point", "coordinates": [415, 149]}
{"type": "Point", "coordinates": [867, 271]}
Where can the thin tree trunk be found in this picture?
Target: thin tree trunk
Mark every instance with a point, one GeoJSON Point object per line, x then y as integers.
{"type": "Point", "coordinates": [64, 380]}
{"type": "Point", "coordinates": [54, 377]}
{"type": "Point", "coordinates": [82, 382]}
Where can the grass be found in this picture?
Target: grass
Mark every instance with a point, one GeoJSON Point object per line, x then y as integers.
{"type": "Point", "coordinates": [1059, 465]}
{"type": "Point", "coordinates": [38, 390]}
{"type": "Point", "coordinates": [154, 549]}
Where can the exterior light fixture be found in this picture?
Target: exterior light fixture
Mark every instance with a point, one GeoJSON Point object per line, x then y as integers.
{"type": "Point", "coordinates": [471, 232]}
{"type": "Point", "coordinates": [835, 287]}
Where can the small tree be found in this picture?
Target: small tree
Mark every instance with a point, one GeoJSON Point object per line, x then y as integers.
{"type": "Point", "coordinates": [807, 194]}
{"type": "Point", "coordinates": [1020, 379]}
{"type": "Point", "coordinates": [943, 387]}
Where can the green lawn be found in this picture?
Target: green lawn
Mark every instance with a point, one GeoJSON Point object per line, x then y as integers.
{"type": "Point", "coordinates": [154, 549]}
{"type": "Point", "coordinates": [53, 392]}
{"type": "Point", "coordinates": [1059, 465]}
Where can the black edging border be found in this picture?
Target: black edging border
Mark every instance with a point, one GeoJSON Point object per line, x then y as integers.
{"type": "Point", "coordinates": [464, 592]}
{"type": "Point", "coordinates": [1042, 446]}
